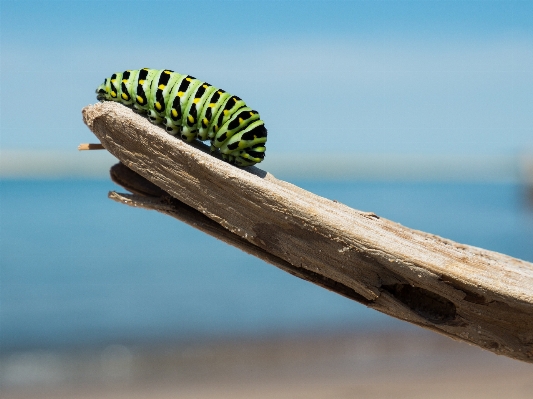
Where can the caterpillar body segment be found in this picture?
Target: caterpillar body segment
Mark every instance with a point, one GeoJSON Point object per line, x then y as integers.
{"type": "Point", "coordinates": [191, 109]}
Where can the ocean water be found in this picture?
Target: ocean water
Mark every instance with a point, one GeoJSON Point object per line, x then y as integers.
{"type": "Point", "coordinates": [77, 269]}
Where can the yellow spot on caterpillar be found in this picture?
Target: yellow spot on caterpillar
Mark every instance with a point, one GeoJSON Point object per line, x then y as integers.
{"type": "Point", "coordinates": [251, 114]}
{"type": "Point", "coordinates": [139, 99]}
{"type": "Point", "coordinates": [190, 118]}
{"type": "Point", "coordinates": [188, 79]}
{"type": "Point", "coordinates": [219, 92]}
{"type": "Point", "coordinates": [124, 96]}
{"type": "Point", "coordinates": [241, 120]}
{"type": "Point", "coordinates": [225, 112]}
{"type": "Point", "coordinates": [180, 93]}
{"type": "Point", "coordinates": [205, 121]}
{"type": "Point", "coordinates": [174, 113]}
{"type": "Point", "coordinates": [234, 99]}
{"type": "Point", "coordinates": [113, 94]}
{"type": "Point", "coordinates": [212, 105]}
{"type": "Point", "coordinates": [145, 69]}
{"type": "Point", "coordinates": [113, 80]}
{"type": "Point", "coordinates": [141, 82]}
{"type": "Point", "coordinates": [124, 80]}
{"type": "Point", "coordinates": [168, 72]}
{"type": "Point", "coordinates": [196, 100]}
{"type": "Point", "coordinates": [158, 105]}
{"type": "Point", "coordinates": [161, 87]}
{"type": "Point", "coordinates": [204, 86]}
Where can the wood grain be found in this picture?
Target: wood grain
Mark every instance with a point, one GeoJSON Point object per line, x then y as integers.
{"type": "Point", "coordinates": [149, 196]}
{"type": "Point", "coordinates": [467, 293]}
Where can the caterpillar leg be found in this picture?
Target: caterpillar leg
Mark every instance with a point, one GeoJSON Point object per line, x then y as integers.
{"type": "Point", "coordinates": [188, 137]}
{"type": "Point", "coordinates": [153, 117]}
{"type": "Point", "coordinates": [170, 127]}
{"type": "Point", "coordinates": [250, 157]}
{"type": "Point", "coordinates": [246, 157]}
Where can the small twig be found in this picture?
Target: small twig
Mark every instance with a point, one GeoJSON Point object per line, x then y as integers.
{"type": "Point", "coordinates": [478, 296]}
{"type": "Point", "coordinates": [85, 146]}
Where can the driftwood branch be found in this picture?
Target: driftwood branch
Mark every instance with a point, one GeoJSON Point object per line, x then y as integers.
{"type": "Point", "coordinates": [478, 296]}
{"type": "Point", "coordinates": [148, 196]}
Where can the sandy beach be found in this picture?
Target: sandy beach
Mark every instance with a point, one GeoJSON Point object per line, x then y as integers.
{"type": "Point", "coordinates": [381, 365]}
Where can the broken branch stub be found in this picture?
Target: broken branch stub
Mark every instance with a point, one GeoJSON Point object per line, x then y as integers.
{"type": "Point", "coordinates": [467, 293]}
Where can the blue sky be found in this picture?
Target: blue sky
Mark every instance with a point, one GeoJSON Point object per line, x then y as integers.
{"type": "Point", "coordinates": [350, 77]}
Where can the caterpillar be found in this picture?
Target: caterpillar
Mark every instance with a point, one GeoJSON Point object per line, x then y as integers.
{"type": "Point", "coordinates": [191, 109]}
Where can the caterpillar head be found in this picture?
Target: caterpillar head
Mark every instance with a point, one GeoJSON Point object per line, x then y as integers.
{"type": "Point", "coordinates": [101, 92]}
{"type": "Point", "coordinates": [109, 90]}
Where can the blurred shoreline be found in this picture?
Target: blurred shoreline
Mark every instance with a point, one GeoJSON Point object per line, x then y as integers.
{"type": "Point", "coordinates": [35, 164]}
{"type": "Point", "coordinates": [527, 173]}
{"type": "Point", "coordinates": [340, 365]}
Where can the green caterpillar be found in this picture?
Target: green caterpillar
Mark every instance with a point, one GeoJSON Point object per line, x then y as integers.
{"type": "Point", "coordinates": [191, 109]}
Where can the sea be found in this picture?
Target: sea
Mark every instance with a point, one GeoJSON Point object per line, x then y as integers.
{"type": "Point", "coordinates": [79, 270]}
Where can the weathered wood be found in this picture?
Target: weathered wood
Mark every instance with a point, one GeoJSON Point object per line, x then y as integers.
{"type": "Point", "coordinates": [149, 196]}
{"type": "Point", "coordinates": [467, 293]}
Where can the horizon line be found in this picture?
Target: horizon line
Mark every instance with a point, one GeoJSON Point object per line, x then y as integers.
{"type": "Point", "coordinates": [42, 164]}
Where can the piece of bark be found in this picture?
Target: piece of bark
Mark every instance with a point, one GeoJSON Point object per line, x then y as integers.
{"type": "Point", "coordinates": [467, 293]}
